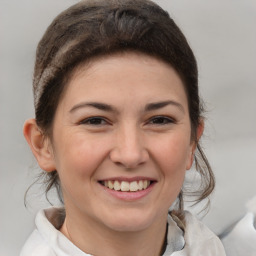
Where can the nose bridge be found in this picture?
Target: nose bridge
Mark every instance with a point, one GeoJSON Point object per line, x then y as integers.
{"type": "Point", "coordinates": [129, 149]}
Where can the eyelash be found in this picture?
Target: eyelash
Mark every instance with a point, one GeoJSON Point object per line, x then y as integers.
{"type": "Point", "coordinates": [95, 121]}
{"type": "Point", "coordinates": [165, 120]}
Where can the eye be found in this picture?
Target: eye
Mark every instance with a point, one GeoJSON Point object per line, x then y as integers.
{"type": "Point", "coordinates": [97, 121]}
{"type": "Point", "coordinates": [161, 120]}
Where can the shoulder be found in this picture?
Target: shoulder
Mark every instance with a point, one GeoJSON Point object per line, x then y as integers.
{"type": "Point", "coordinates": [200, 240]}
{"type": "Point", "coordinates": [36, 246]}
{"type": "Point", "coordinates": [41, 241]}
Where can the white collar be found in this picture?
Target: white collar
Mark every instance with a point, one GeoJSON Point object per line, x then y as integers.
{"type": "Point", "coordinates": [48, 223]}
{"type": "Point", "coordinates": [175, 237]}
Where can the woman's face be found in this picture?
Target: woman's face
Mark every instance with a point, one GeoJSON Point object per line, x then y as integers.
{"type": "Point", "coordinates": [121, 141]}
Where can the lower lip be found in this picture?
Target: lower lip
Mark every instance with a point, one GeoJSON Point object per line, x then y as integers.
{"type": "Point", "coordinates": [129, 196]}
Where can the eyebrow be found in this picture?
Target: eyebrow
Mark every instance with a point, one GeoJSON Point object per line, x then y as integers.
{"type": "Point", "coordinates": [158, 105]}
{"type": "Point", "coordinates": [109, 108]}
{"type": "Point", "coordinates": [100, 106]}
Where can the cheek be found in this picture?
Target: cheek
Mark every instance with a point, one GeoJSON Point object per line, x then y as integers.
{"type": "Point", "coordinates": [173, 155]}
{"type": "Point", "coordinates": [77, 161]}
{"type": "Point", "coordinates": [79, 157]}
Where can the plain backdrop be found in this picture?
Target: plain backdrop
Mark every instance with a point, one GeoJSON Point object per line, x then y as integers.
{"type": "Point", "coordinates": [223, 36]}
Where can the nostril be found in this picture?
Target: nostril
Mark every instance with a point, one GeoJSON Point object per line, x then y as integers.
{"type": "Point", "coordinates": [127, 158]}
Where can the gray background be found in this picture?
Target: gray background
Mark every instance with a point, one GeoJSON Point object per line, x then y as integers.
{"type": "Point", "coordinates": [223, 36]}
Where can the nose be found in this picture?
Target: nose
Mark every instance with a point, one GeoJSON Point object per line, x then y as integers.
{"type": "Point", "coordinates": [129, 148]}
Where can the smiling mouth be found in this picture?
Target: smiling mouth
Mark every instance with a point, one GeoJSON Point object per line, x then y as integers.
{"type": "Point", "coordinates": [126, 186]}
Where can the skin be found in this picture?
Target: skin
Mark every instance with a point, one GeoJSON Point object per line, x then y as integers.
{"type": "Point", "coordinates": [127, 141]}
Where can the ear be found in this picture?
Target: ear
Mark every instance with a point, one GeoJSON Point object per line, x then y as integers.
{"type": "Point", "coordinates": [199, 133]}
{"type": "Point", "coordinates": [39, 145]}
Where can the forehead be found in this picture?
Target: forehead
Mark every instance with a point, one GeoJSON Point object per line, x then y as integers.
{"type": "Point", "coordinates": [126, 76]}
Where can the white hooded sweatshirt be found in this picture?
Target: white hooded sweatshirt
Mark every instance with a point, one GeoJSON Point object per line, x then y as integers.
{"type": "Point", "coordinates": [47, 240]}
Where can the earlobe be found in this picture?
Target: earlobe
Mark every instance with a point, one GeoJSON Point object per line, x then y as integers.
{"type": "Point", "coordinates": [39, 145]}
{"type": "Point", "coordinates": [199, 133]}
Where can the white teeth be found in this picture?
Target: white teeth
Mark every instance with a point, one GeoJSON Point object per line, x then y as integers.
{"type": "Point", "coordinates": [134, 186]}
{"type": "Point", "coordinates": [116, 185]}
{"type": "Point", "coordinates": [145, 184]}
{"type": "Point", "coordinates": [140, 184]}
{"type": "Point", "coordinates": [110, 184]}
{"type": "Point", "coordinates": [126, 186]}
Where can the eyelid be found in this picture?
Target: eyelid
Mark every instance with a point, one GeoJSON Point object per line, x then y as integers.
{"type": "Point", "coordinates": [86, 120]}
{"type": "Point", "coordinates": [170, 120]}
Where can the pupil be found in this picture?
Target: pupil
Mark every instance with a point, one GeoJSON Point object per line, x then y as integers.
{"type": "Point", "coordinates": [158, 120]}
{"type": "Point", "coordinates": [95, 121]}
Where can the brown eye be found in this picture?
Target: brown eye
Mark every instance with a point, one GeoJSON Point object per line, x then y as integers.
{"type": "Point", "coordinates": [94, 121]}
{"type": "Point", "coordinates": [161, 120]}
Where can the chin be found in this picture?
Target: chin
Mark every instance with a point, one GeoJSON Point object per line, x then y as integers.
{"type": "Point", "coordinates": [128, 227]}
{"type": "Point", "coordinates": [131, 222]}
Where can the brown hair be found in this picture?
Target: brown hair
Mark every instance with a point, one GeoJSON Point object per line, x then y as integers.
{"type": "Point", "coordinates": [94, 28]}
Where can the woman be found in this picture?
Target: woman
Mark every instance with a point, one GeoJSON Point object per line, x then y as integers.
{"type": "Point", "coordinates": [118, 122]}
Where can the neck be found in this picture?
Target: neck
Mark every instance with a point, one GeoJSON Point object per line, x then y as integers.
{"type": "Point", "coordinates": [97, 240]}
